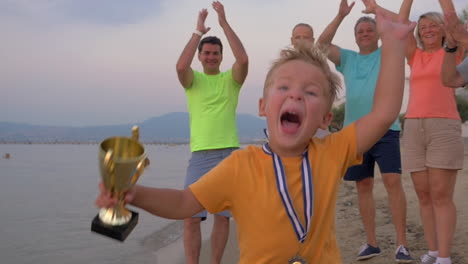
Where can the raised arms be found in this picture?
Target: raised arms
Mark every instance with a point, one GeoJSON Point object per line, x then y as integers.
{"type": "Point", "coordinates": [240, 66]}
{"type": "Point", "coordinates": [456, 36]}
{"type": "Point", "coordinates": [404, 13]}
{"type": "Point", "coordinates": [328, 34]}
{"type": "Point", "coordinates": [183, 67]}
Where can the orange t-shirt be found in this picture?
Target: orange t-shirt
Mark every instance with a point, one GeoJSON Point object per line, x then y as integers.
{"type": "Point", "coordinates": [428, 97]}
{"type": "Point", "coordinates": [245, 184]}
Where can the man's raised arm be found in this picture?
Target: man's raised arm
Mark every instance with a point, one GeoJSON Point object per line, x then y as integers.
{"type": "Point", "coordinates": [241, 65]}
{"type": "Point", "coordinates": [329, 32]}
{"type": "Point", "coordinates": [183, 67]}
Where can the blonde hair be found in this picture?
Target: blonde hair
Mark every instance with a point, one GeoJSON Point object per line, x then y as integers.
{"type": "Point", "coordinates": [433, 16]}
{"type": "Point", "coordinates": [314, 55]}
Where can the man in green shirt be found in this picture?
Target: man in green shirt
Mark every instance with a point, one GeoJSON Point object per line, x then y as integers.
{"type": "Point", "coordinates": [212, 98]}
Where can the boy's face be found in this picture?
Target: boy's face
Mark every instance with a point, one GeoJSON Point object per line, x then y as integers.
{"type": "Point", "coordinates": [302, 34]}
{"type": "Point", "coordinates": [210, 57]}
{"type": "Point", "coordinates": [295, 105]}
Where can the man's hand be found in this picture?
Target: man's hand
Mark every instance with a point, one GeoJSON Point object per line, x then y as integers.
{"type": "Point", "coordinates": [219, 8]}
{"type": "Point", "coordinates": [201, 21]}
{"type": "Point", "coordinates": [371, 6]}
{"type": "Point", "coordinates": [345, 9]}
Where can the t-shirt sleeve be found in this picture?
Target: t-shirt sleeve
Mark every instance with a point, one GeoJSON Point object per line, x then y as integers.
{"type": "Point", "coordinates": [344, 56]}
{"type": "Point", "coordinates": [343, 147]}
{"type": "Point", "coordinates": [213, 190]}
{"type": "Point", "coordinates": [196, 78]}
{"type": "Point", "coordinates": [231, 79]}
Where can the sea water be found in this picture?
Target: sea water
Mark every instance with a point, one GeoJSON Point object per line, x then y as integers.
{"type": "Point", "coordinates": [47, 195]}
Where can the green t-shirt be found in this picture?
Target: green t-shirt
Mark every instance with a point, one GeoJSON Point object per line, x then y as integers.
{"type": "Point", "coordinates": [212, 102]}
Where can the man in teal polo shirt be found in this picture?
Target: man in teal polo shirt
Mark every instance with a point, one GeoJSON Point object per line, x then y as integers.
{"type": "Point", "coordinates": [212, 98]}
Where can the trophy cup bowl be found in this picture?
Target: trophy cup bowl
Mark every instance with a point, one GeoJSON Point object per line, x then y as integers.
{"type": "Point", "coordinates": [122, 160]}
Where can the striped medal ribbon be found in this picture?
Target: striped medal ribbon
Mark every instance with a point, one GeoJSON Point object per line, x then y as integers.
{"type": "Point", "coordinates": [307, 194]}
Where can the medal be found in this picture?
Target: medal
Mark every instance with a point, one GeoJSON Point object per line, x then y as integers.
{"type": "Point", "coordinates": [307, 194]}
{"type": "Point", "coordinates": [297, 260]}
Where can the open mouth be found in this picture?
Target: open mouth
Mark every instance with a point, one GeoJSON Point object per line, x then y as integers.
{"type": "Point", "coordinates": [290, 122]}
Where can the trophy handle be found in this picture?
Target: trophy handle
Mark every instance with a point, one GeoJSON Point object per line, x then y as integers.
{"type": "Point", "coordinates": [135, 133]}
{"type": "Point", "coordinates": [109, 166]}
{"type": "Point", "coordinates": [138, 171]}
{"type": "Point", "coordinates": [108, 162]}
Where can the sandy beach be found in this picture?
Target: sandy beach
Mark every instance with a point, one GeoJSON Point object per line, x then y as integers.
{"type": "Point", "coordinates": [350, 234]}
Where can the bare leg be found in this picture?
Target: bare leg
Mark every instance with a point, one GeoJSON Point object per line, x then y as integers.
{"type": "Point", "coordinates": [442, 183]}
{"type": "Point", "coordinates": [397, 203]}
{"type": "Point", "coordinates": [192, 239]}
{"type": "Point", "coordinates": [367, 208]}
{"type": "Point", "coordinates": [422, 188]}
{"type": "Point", "coordinates": [219, 237]}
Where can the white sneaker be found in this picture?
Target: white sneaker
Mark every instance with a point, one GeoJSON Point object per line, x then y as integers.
{"type": "Point", "coordinates": [428, 259]}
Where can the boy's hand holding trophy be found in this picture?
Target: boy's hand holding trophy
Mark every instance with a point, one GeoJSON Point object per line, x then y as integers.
{"type": "Point", "coordinates": [122, 160]}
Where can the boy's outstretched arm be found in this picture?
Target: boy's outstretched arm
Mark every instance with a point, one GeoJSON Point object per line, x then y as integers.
{"type": "Point", "coordinates": [329, 32]}
{"type": "Point", "coordinates": [241, 65]}
{"type": "Point", "coordinates": [167, 203]}
{"type": "Point", "coordinates": [390, 85]}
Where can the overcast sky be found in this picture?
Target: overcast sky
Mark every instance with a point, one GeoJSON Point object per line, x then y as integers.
{"type": "Point", "coordinates": [100, 62]}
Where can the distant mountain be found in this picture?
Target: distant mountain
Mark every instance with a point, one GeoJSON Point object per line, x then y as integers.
{"type": "Point", "coordinates": [168, 128]}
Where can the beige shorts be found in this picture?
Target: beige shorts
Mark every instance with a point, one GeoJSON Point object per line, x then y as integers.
{"type": "Point", "coordinates": [432, 142]}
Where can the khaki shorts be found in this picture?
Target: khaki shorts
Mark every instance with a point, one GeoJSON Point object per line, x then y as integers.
{"type": "Point", "coordinates": [432, 142]}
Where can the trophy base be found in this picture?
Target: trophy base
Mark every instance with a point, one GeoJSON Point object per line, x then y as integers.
{"type": "Point", "coordinates": [119, 232]}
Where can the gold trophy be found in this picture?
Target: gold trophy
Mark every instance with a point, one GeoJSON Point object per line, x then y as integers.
{"type": "Point", "coordinates": [122, 160]}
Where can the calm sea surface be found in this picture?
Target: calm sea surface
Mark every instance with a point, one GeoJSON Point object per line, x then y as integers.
{"type": "Point", "coordinates": [47, 195]}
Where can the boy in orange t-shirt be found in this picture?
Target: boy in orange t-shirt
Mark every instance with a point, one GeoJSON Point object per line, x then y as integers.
{"type": "Point", "coordinates": [282, 195]}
